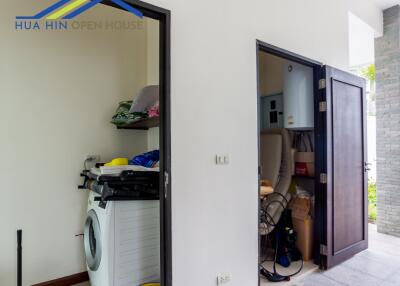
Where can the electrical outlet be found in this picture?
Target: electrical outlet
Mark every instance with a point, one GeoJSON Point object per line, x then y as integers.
{"type": "Point", "coordinates": [226, 160]}
{"type": "Point", "coordinates": [92, 158]}
{"type": "Point", "coordinates": [222, 159]}
{"type": "Point", "coordinates": [224, 278]}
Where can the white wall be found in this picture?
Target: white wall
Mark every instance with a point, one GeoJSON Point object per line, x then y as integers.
{"type": "Point", "coordinates": [213, 111]}
{"type": "Point", "coordinates": [153, 73]}
{"type": "Point", "coordinates": [361, 42]}
{"type": "Point", "coordinates": [59, 91]}
{"type": "Point", "coordinates": [370, 12]}
{"type": "Point", "coordinates": [153, 51]}
{"type": "Point", "coordinates": [214, 208]}
{"type": "Point", "coordinates": [362, 53]}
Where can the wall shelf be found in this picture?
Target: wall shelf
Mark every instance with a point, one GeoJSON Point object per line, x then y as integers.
{"type": "Point", "coordinates": [142, 124]}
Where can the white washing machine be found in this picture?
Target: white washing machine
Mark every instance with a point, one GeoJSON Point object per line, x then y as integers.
{"type": "Point", "coordinates": [122, 242]}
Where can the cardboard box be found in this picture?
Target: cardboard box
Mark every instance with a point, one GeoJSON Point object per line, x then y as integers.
{"type": "Point", "coordinates": [304, 229]}
{"type": "Point", "coordinates": [305, 164]}
{"type": "Point", "coordinates": [303, 225]}
{"type": "Point", "coordinates": [301, 208]}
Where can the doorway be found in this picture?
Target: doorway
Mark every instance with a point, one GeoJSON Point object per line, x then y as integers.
{"type": "Point", "coordinates": [280, 75]}
{"type": "Point", "coordinates": [302, 182]}
{"type": "Point", "coordinates": [163, 17]}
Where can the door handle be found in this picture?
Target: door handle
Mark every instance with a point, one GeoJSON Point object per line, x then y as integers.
{"type": "Point", "coordinates": [366, 166]}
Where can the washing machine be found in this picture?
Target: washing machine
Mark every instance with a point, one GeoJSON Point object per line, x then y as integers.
{"type": "Point", "coordinates": [122, 242]}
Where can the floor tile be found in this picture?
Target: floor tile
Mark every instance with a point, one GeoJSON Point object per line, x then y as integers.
{"type": "Point", "coordinates": [377, 266]}
{"type": "Point", "coordinates": [317, 279]}
{"type": "Point", "coordinates": [351, 277]}
{"type": "Point", "coordinates": [389, 283]}
{"type": "Point", "coordinates": [394, 277]}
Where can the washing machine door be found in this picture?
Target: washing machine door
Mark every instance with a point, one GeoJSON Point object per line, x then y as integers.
{"type": "Point", "coordinates": [92, 240]}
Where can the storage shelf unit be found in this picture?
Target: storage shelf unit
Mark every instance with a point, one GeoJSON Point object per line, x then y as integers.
{"type": "Point", "coordinates": [143, 124]}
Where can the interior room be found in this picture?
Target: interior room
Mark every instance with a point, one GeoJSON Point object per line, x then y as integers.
{"type": "Point", "coordinates": [122, 230]}
{"type": "Point", "coordinates": [92, 97]}
{"type": "Point", "coordinates": [287, 169]}
{"type": "Point", "coordinates": [66, 102]}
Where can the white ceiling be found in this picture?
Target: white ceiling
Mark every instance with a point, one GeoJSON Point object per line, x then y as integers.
{"type": "Point", "coordinates": [384, 4]}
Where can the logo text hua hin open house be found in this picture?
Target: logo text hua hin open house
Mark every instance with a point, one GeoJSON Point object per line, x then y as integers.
{"type": "Point", "coordinates": [58, 16]}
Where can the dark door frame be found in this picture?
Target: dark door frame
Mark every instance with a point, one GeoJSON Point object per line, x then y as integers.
{"type": "Point", "coordinates": [319, 131]}
{"type": "Point", "coordinates": [164, 17]}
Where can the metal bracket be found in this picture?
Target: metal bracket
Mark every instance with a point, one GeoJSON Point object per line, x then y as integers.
{"type": "Point", "coordinates": [322, 83]}
{"type": "Point", "coordinates": [323, 249]}
{"type": "Point", "coordinates": [166, 183]}
{"type": "Point", "coordinates": [322, 106]}
{"type": "Point", "coordinates": [323, 178]}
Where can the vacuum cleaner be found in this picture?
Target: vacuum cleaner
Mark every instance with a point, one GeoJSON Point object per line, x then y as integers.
{"type": "Point", "coordinates": [284, 239]}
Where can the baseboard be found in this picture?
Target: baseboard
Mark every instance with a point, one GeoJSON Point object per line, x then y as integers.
{"type": "Point", "coordinates": [67, 281]}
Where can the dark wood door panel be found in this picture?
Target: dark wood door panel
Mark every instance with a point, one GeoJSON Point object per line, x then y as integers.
{"type": "Point", "coordinates": [348, 226]}
{"type": "Point", "coordinates": [346, 201]}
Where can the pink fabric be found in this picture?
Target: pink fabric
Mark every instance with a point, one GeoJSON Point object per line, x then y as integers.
{"type": "Point", "coordinates": [154, 111]}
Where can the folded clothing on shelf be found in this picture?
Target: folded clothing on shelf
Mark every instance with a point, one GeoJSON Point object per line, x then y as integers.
{"type": "Point", "coordinates": [154, 111]}
{"type": "Point", "coordinates": [145, 105]}
{"type": "Point", "coordinates": [148, 160]}
{"type": "Point", "coordinates": [123, 116]}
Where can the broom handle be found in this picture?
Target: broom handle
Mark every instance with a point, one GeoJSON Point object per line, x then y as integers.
{"type": "Point", "coordinates": [19, 258]}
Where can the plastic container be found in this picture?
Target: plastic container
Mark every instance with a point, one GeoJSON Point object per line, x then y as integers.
{"type": "Point", "coordinates": [304, 164]}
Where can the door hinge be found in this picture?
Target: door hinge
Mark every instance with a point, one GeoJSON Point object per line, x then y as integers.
{"type": "Point", "coordinates": [322, 83]}
{"type": "Point", "coordinates": [323, 178]}
{"type": "Point", "coordinates": [366, 166]}
{"type": "Point", "coordinates": [323, 250]}
{"type": "Point", "coordinates": [166, 183]}
{"type": "Point", "coordinates": [322, 106]}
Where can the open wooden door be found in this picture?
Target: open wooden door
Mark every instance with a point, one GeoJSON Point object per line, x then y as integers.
{"type": "Point", "coordinates": [345, 188]}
